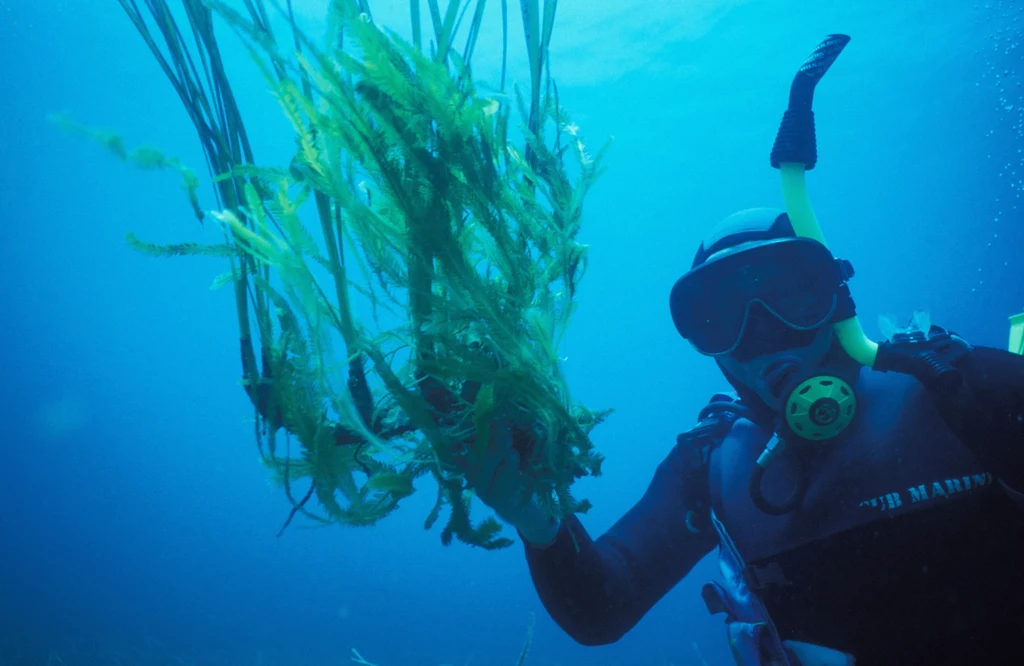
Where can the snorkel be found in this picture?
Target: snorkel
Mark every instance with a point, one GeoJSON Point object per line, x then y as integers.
{"type": "Point", "coordinates": [794, 153]}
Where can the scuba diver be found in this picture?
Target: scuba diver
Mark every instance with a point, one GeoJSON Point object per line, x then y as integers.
{"type": "Point", "coordinates": [865, 498]}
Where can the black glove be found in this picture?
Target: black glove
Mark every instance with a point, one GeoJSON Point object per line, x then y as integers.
{"type": "Point", "coordinates": [931, 359]}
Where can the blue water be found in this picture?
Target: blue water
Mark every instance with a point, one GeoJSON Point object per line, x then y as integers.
{"type": "Point", "coordinates": [135, 519]}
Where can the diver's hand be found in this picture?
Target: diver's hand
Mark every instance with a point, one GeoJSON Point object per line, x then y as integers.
{"type": "Point", "coordinates": [499, 483]}
{"type": "Point", "coordinates": [930, 357]}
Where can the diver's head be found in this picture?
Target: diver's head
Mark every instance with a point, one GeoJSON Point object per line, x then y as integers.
{"type": "Point", "coordinates": [760, 300]}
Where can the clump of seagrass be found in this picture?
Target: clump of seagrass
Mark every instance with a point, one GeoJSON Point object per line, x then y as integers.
{"type": "Point", "coordinates": [403, 283]}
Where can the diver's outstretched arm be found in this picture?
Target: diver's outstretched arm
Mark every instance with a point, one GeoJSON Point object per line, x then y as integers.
{"type": "Point", "coordinates": [597, 590]}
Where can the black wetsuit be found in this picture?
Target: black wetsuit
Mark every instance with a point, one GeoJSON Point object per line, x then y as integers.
{"type": "Point", "coordinates": [905, 550]}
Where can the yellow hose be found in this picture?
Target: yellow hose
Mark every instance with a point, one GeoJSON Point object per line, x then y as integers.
{"type": "Point", "coordinates": [805, 223]}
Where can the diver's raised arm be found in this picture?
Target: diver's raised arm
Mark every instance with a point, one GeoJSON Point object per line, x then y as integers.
{"type": "Point", "coordinates": [598, 589]}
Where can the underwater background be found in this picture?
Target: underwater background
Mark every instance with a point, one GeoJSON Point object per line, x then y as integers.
{"type": "Point", "coordinates": [136, 523]}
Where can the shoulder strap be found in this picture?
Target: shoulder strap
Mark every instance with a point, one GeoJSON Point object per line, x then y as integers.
{"type": "Point", "coordinates": [695, 445]}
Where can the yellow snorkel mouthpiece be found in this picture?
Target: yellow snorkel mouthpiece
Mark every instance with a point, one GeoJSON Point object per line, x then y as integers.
{"type": "Point", "coordinates": [795, 152]}
{"type": "Point", "coordinates": [1017, 334]}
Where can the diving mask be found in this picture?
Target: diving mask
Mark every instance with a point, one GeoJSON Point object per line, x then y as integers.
{"type": "Point", "coordinates": [797, 280]}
